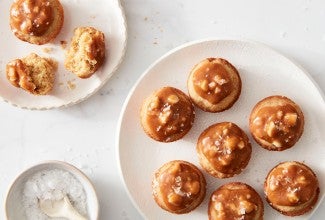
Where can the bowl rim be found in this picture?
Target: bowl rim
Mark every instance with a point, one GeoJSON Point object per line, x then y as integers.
{"type": "Point", "coordinates": [69, 168]}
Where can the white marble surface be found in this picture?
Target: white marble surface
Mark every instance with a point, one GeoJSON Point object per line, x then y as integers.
{"type": "Point", "coordinates": [83, 135]}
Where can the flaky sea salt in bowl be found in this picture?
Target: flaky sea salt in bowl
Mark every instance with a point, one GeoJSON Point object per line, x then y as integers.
{"type": "Point", "coordinates": [50, 180]}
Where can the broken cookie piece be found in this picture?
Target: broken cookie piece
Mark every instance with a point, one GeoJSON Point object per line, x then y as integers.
{"type": "Point", "coordinates": [32, 73]}
{"type": "Point", "coordinates": [86, 53]}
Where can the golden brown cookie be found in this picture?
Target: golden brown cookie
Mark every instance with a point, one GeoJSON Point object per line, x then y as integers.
{"type": "Point", "coordinates": [276, 123]}
{"type": "Point", "coordinates": [178, 187]}
{"type": "Point", "coordinates": [214, 85]}
{"type": "Point", "coordinates": [291, 188]}
{"type": "Point", "coordinates": [86, 53]}
{"type": "Point", "coordinates": [36, 21]}
{"type": "Point", "coordinates": [223, 150]}
{"type": "Point", "coordinates": [32, 73]}
{"type": "Point", "coordinates": [235, 201]}
{"type": "Point", "coordinates": [167, 114]}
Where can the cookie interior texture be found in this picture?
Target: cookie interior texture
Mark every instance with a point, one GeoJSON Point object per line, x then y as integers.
{"type": "Point", "coordinates": [32, 73]}
{"type": "Point", "coordinates": [86, 53]}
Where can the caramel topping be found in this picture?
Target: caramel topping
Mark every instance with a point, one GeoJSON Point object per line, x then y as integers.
{"type": "Point", "coordinates": [278, 125]}
{"type": "Point", "coordinates": [179, 185]}
{"type": "Point", "coordinates": [18, 75]}
{"type": "Point", "coordinates": [240, 203]}
{"type": "Point", "coordinates": [96, 48]}
{"type": "Point", "coordinates": [212, 82]}
{"type": "Point", "coordinates": [169, 112]}
{"type": "Point", "coordinates": [33, 17]}
{"type": "Point", "coordinates": [225, 146]}
{"type": "Point", "coordinates": [291, 185]}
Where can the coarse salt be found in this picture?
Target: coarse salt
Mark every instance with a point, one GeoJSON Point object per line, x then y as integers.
{"type": "Point", "coordinates": [52, 184]}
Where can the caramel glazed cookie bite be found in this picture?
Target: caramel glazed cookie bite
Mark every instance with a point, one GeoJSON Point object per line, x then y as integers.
{"type": "Point", "coordinates": [291, 188]}
{"type": "Point", "coordinates": [86, 53]}
{"type": "Point", "coordinates": [223, 150]}
{"type": "Point", "coordinates": [214, 85]}
{"type": "Point", "coordinates": [178, 187]}
{"type": "Point", "coordinates": [36, 21]}
{"type": "Point", "coordinates": [167, 114]}
{"type": "Point", "coordinates": [235, 201]}
{"type": "Point", "coordinates": [276, 123]}
{"type": "Point", "coordinates": [32, 73]}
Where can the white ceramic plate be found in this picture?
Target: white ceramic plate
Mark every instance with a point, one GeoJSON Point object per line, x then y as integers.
{"type": "Point", "coordinates": [264, 72]}
{"type": "Point", "coordinates": [106, 15]}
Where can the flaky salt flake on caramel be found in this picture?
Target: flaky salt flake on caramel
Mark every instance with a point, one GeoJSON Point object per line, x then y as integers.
{"type": "Point", "coordinates": [212, 85]}
{"type": "Point", "coordinates": [220, 80]}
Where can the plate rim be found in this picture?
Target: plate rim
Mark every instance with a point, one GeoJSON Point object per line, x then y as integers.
{"type": "Point", "coordinates": [96, 89]}
{"type": "Point", "coordinates": [164, 56]}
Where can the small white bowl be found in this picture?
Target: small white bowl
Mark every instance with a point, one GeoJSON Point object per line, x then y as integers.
{"type": "Point", "coordinates": [14, 209]}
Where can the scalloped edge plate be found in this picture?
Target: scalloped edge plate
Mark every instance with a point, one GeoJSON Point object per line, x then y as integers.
{"type": "Point", "coordinates": [105, 15]}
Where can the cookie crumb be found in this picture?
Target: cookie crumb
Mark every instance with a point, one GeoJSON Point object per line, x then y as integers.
{"type": "Point", "coordinates": [63, 44]}
{"type": "Point", "coordinates": [71, 85]}
{"type": "Point", "coordinates": [283, 34]}
{"type": "Point", "coordinates": [47, 49]}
